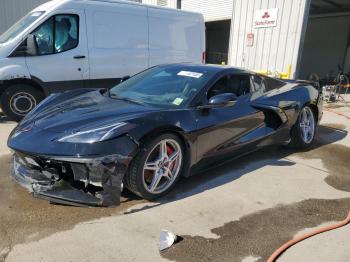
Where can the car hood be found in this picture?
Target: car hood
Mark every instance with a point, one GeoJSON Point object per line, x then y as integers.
{"type": "Point", "coordinates": [69, 112]}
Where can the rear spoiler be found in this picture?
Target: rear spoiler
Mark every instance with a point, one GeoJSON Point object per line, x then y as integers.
{"type": "Point", "coordinates": [315, 84]}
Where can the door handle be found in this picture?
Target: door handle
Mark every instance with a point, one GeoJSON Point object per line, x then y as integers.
{"type": "Point", "coordinates": [79, 57]}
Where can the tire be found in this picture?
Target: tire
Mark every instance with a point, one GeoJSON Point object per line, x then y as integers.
{"type": "Point", "coordinates": [18, 100]}
{"type": "Point", "coordinates": [139, 180]}
{"type": "Point", "coordinates": [298, 137]}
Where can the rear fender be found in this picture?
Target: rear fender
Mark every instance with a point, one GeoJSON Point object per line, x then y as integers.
{"type": "Point", "coordinates": [287, 102]}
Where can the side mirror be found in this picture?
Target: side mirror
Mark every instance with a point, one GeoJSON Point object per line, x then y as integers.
{"type": "Point", "coordinates": [221, 100]}
{"type": "Point", "coordinates": [124, 78]}
{"type": "Point", "coordinates": [21, 50]}
{"type": "Point", "coordinates": [32, 45]}
{"type": "Point", "coordinates": [29, 47]}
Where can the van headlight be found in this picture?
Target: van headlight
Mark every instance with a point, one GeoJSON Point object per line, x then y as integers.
{"type": "Point", "coordinates": [92, 135]}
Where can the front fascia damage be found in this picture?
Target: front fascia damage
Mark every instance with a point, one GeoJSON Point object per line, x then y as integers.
{"type": "Point", "coordinates": [73, 181]}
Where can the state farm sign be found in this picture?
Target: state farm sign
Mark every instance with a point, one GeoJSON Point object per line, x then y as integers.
{"type": "Point", "coordinates": [265, 18]}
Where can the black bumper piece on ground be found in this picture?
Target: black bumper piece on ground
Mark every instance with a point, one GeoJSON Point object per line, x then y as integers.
{"type": "Point", "coordinates": [72, 181]}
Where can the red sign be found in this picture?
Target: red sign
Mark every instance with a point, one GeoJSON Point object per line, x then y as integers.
{"type": "Point", "coordinates": [250, 39]}
{"type": "Point", "coordinates": [266, 15]}
{"type": "Point", "coordinates": [265, 18]}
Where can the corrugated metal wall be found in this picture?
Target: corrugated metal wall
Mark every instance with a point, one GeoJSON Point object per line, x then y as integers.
{"type": "Point", "coordinates": [274, 48]}
{"type": "Point", "coordinates": [12, 10]}
{"type": "Point", "coordinates": [211, 9]}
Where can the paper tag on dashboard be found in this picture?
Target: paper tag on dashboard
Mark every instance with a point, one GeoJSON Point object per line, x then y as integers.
{"type": "Point", "coordinates": [178, 101]}
{"type": "Point", "coordinates": [190, 74]}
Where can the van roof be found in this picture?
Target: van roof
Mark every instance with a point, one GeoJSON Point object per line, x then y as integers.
{"type": "Point", "coordinates": [55, 3]}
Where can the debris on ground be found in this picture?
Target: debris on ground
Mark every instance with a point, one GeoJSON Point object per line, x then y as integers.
{"type": "Point", "coordinates": [166, 239]}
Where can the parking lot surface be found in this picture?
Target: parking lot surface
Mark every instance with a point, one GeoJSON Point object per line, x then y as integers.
{"type": "Point", "coordinates": [241, 211]}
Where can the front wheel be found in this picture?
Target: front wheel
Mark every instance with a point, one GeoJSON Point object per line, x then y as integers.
{"type": "Point", "coordinates": [303, 132]}
{"type": "Point", "coordinates": [157, 168]}
{"type": "Point", "coordinates": [19, 100]}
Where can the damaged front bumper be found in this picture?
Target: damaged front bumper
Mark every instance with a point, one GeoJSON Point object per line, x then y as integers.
{"type": "Point", "coordinates": [72, 181]}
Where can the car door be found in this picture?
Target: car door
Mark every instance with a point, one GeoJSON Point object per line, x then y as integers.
{"type": "Point", "coordinates": [228, 131]}
{"type": "Point", "coordinates": [61, 61]}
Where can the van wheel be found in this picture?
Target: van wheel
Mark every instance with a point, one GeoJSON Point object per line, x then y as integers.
{"type": "Point", "coordinates": [19, 100]}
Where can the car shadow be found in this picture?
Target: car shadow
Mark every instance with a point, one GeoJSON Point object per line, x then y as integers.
{"type": "Point", "coordinates": [226, 173]}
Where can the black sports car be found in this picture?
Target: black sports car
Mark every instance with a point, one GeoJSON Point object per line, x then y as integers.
{"type": "Point", "coordinates": [80, 147]}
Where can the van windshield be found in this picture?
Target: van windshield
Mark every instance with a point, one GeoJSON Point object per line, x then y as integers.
{"type": "Point", "coordinates": [21, 25]}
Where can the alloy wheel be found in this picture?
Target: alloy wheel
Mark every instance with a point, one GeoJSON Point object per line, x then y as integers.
{"type": "Point", "coordinates": [162, 166]}
{"type": "Point", "coordinates": [307, 125]}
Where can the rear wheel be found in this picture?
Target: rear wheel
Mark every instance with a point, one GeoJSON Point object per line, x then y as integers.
{"type": "Point", "coordinates": [303, 132]}
{"type": "Point", "coordinates": [19, 100]}
{"type": "Point", "coordinates": [157, 168]}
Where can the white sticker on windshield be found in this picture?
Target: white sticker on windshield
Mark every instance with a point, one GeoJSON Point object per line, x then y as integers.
{"type": "Point", "coordinates": [178, 101]}
{"type": "Point", "coordinates": [190, 74]}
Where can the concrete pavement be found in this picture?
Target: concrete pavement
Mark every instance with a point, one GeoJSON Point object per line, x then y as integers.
{"type": "Point", "coordinates": [241, 211]}
{"type": "Point", "coordinates": [5, 128]}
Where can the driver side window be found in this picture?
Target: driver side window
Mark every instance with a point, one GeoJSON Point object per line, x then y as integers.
{"type": "Point", "coordinates": [58, 34]}
{"type": "Point", "coordinates": [44, 37]}
{"type": "Point", "coordinates": [236, 84]}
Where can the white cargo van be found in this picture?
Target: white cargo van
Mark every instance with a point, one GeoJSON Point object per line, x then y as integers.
{"type": "Point", "coordinates": [66, 44]}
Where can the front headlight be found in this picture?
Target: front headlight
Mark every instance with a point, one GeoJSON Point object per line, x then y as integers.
{"type": "Point", "coordinates": [92, 135]}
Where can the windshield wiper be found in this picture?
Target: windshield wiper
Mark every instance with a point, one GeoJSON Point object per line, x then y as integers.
{"type": "Point", "coordinates": [125, 99]}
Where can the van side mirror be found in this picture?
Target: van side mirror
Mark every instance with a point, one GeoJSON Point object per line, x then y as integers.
{"type": "Point", "coordinates": [124, 78]}
{"type": "Point", "coordinates": [221, 100]}
{"type": "Point", "coordinates": [29, 47]}
{"type": "Point", "coordinates": [32, 45]}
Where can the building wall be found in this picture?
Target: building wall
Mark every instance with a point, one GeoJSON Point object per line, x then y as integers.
{"type": "Point", "coordinates": [212, 10]}
{"type": "Point", "coordinates": [326, 40]}
{"type": "Point", "coordinates": [274, 48]}
{"type": "Point", "coordinates": [12, 10]}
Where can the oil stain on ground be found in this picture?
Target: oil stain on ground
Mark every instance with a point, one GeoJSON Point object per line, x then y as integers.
{"type": "Point", "coordinates": [24, 218]}
{"type": "Point", "coordinates": [335, 157]}
{"type": "Point", "coordinates": [258, 234]}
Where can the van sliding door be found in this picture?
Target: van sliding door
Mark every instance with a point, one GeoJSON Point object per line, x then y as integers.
{"type": "Point", "coordinates": [118, 42]}
{"type": "Point", "coordinates": [174, 37]}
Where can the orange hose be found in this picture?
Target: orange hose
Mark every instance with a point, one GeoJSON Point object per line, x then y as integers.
{"type": "Point", "coordinates": [294, 241]}
{"type": "Point", "coordinates": [338, 113]}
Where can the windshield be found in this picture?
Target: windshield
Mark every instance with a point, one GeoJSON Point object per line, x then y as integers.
{"type": "Point", "coordinates": [18, 28]}
{"type": "Point", "coordinates": [169, 86]}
